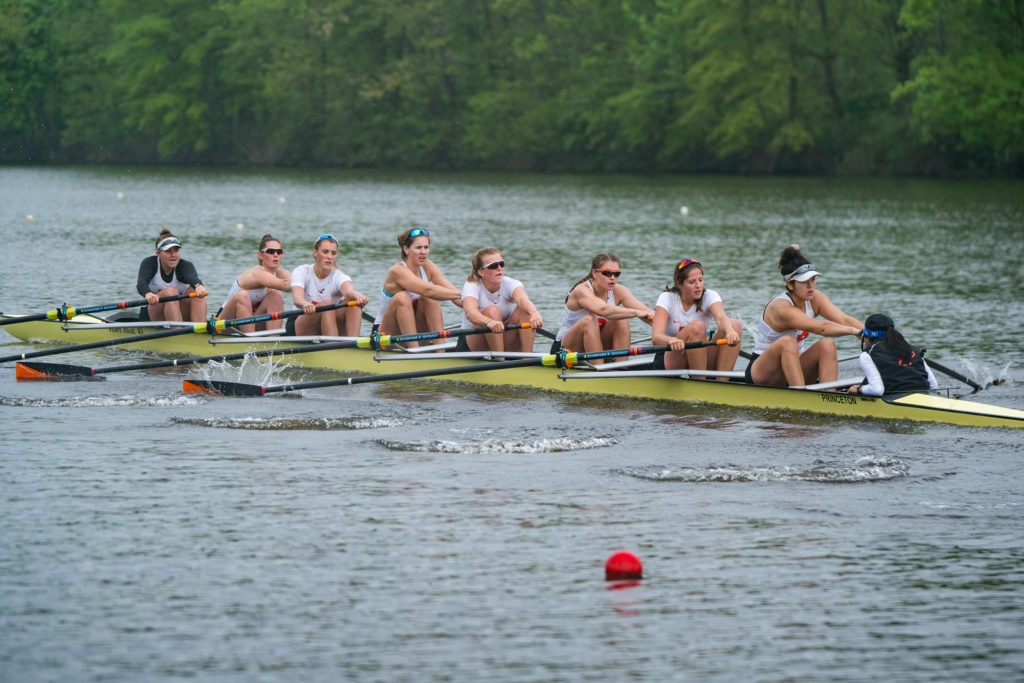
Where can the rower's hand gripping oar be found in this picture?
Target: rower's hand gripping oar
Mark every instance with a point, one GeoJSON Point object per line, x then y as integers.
{"type": "Point", "coordinates": [39, 370]}
{"type": "Point", "coordinates": [562, 359]}
{"type": "Point", "coordinates": [212, 326]}
{"type": "Point", "coordinates": [66, 312]}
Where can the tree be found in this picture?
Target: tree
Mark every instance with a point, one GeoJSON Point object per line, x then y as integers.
{"type": "Point", "coordinates": [966, 90]}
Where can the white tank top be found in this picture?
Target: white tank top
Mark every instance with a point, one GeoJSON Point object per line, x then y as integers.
{"type": "Point", "coordinates": [385, 298]}
{"type": "Point", "coordinates": [766, 336]}
{"type": "Point", "coordinates": [570, 318]}
{"type": "Point", "coordinates": [255, 295]}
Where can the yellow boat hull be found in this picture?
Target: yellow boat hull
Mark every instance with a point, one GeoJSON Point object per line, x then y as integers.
{"type": "Point", "coordinates": [916, 407]}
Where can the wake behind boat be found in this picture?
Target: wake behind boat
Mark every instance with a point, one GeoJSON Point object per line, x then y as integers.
{"type": "Point", "coordinates": [676, 386]}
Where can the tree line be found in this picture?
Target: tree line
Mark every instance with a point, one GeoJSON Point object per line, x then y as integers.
{"type": "Point", "coordinates": [922, 87]}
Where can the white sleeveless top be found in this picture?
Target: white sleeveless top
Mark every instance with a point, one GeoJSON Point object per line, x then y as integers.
{"type": "Point", "coordinates": [679, 317]}
{"type": "Point", "coordinates": [385, 298]}
{"type": "Point", "coordinates": [255, 295]}
{"type": "Point", "coordinates": [570, 318]}
{"type": "Point", "coordinates": [501, 298]}
{"type": "Point", "coordinates": [766, 336]}
{"type": "Point", "coordinates": [319, 291]}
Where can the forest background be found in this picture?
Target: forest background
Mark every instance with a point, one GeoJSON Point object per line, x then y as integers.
{"type": "Point", "coordinates": [850, 87]}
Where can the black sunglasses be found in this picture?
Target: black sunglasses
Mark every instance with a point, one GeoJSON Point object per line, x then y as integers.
{"type": "Point", "coordinates": [275, 252]}
{"type": "Point", "coordinates": [494, 265]}
{"type": "Point", "coordinates": [611, 273]}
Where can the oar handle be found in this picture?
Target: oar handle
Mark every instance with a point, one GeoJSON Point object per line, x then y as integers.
{"type": "Point", "coordinates": [573, 358]}
{"type": "Point", "coordinates": [212, 326]}
{"type": "Point", "coordinates": [131, 304]}
{"type": "Point", "coordinates": [385, 340]}
{"type": "Point", "coordinates": [215, 325]}
{"type": "Point", "coordinates": [66, 312]}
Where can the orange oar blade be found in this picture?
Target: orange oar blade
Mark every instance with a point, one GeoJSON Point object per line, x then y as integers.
{"type": "Point", "coordinates": [34, 370]}
{"type": "Point", "coordinates": [218, 388]}
{"type": "Point", "coordinates": [199, 387]}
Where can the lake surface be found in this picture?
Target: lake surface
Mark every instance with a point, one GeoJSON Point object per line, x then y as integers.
{"type": "Point", "coordinates": [433, 532]}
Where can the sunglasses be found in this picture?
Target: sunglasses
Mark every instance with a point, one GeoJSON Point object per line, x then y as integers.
{"type": "Point", "coordinates": [272, 252]}
{"type": "Point", "coordinates": [494, 265]}
{"type": "Point", "coordinates": [687, 262]}
{"type": "Point", "coordinates": [327, 236]}
{"type": "Point", "coordinates": [610, 273]}
{"type": "Point", "coordinates": [419, 231]}
{"type": "Point", "coordinates": [800, 271]}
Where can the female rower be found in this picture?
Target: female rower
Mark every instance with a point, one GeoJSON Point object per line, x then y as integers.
{"type": "Point", "coordinates": [167, 274]}
{"type": "Point", "coordinates": [779, 357]}
{"type": "Point", "coordinates": [413, 289]}
{"type": "Point", "coordinates": [493, 300]}
{"type": "Point", "coordinates": [598, 309]}
{"type": "Point", "coordinates": [257, 291]}
{"type": "Point", "coordinates": [315, 284]}
{"type": "Point", "coordinates": [890, 364]}
{"type": "Point", "coordinates": [684, 313]}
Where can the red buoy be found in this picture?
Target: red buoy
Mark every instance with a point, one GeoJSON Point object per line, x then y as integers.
{"type": "Point", "coordinates": [623, 565]}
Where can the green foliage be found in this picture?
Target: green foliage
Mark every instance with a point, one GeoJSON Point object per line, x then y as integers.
{"type": "Point", "coordinates": [967, 92]}
{"type": "Point", "coordinates": [832, 86]}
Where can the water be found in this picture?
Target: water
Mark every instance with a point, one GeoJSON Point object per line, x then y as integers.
{"type": "Point", "coordinates": [422, 531]}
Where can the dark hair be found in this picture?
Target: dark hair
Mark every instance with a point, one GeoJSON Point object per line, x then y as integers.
{"type": "Point", "coordinates": [893, 340]}
{"type": "Point", "coordinates": [594, 264]}
{"type": "Point", "coordinates": [791, 259]}
{"type": "Point", "coordinates": [406, 238]}
{"type": "Point", "coordinates": [164, 234]}
{"type": "Point", "coordinates": [679, 277]}
{"type": "Point", "coordinates": [263, 243]}
{"type": "Point", "coordinates": [478, 262]}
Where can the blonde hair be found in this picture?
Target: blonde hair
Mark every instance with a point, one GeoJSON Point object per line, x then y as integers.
{"type": "Point", "coordinates": [478, 262]}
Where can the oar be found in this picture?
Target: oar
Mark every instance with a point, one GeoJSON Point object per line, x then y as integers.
{"type": "Point", "coordinates": [66, 312]}
{"type": "Point", "coordinates": [563, 359]}
{"type": "Point", "coordinates": [211, 326]}
{"type": "Point", "coordinates": [956, 375]}
{"type": "Point", "coordinates": [540, 330]}
{"type": "Point", "coordinates": [33, 370]}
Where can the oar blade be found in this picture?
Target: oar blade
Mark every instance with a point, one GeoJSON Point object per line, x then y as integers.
{"type": "Point", "coordinates": [220, 388]}
{"type": "Point", "coordinates": [28, 371]}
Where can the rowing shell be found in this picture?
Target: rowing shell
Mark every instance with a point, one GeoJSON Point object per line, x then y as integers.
{"type": "Point", "coordinates": [917, 407]}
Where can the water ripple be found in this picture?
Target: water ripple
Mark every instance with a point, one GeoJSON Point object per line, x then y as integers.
{"type": "Point", "coordinates": [866, 470]}
{"type": "Point", "coordinates": [298, 423]}
{"type": "Point", "coordinates": [99, 401]}
{"type": "Point", "coordinates": [558, 445]}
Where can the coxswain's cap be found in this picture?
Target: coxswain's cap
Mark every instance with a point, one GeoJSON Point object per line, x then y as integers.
{"type": "Point", "coordinates": [167, 243]}
{"type": "Point", "coordinates": [876, 325]}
